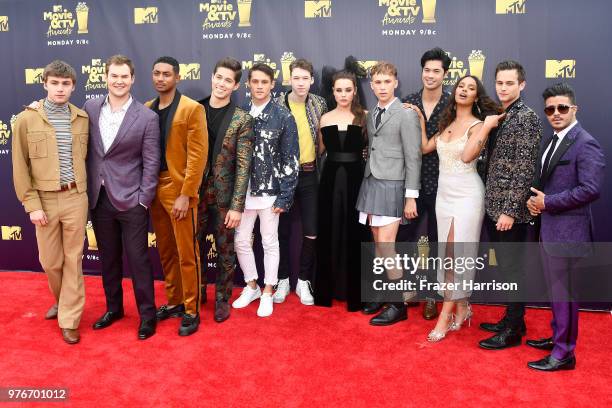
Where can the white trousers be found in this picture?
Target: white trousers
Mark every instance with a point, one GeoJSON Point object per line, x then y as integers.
{"type": "Point", "coordinates": [243, 243]}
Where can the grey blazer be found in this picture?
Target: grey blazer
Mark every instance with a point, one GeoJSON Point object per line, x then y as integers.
{"type": "Point", "coordinates": [395, 148]}
{"type": "Point", "coordinates": [130, 167]}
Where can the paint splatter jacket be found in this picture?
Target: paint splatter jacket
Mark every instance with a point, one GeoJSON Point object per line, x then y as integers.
{"type": "Point", "coordinates": [276, 155]}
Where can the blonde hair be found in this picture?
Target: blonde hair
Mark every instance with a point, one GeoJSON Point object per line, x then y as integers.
{"type": "Point", "coordinates": [383, 67]}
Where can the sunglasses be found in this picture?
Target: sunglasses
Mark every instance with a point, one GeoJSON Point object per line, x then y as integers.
{"type": "Point", "coordinates": [563, 109]}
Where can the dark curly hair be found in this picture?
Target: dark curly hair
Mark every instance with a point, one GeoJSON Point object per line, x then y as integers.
{"type": "Point", "coordinates": [481, 108]}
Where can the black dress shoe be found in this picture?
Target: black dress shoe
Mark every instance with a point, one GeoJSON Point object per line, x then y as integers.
{"type": "Point", "coordinates": [542, 344]}
{"type": "Point", "coordinates": [549, 363]}
{"type": "Point", "coordinates": [222, 311]}
{"type": "Point", "coordinates": [392, 314]}
{"type": "Point", "coordinates": [372, 307]}
{"type": "Point", "coordinates": [147, 329]}
{"type": "Point", "coordinates": [164, 312]}
{"type": "Point", "coordinates": [501, 326]}
{"type": "Point", "coordinates": [107, 319]}
{"type": "Point", "coordinates": [189, 324]}
{"type": "Point", "coordinates": [504, 339]}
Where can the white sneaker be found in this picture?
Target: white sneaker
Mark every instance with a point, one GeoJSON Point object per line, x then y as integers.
{"type": "Point", "coordinates": [304, 293]}
{"type": "Point", "coordinates": [265, 305]}
{"type": "Point", "coordinates": [246, 297]}
{"type": "Point", "coordinates": [282, 290]}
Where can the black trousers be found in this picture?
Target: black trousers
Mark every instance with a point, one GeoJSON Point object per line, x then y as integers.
{"type": "Point", "coordinates": [509, 252]}
{"type": "Point", "coordinates": [117, 231]}
{"type": "Point", "coordinates": [306, 197]}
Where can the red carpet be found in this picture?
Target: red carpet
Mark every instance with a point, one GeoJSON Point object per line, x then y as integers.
{"type": "Point", "coordinates": [300, 356]}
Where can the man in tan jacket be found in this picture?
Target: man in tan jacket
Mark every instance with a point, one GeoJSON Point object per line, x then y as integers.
{"type": "Point", "coordinates": [49, 148]}
{"type": "Point", "coordinates": [184, 151]}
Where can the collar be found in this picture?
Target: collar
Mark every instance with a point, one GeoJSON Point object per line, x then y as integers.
{"type": "Point", "coordinates": [123, 108]}
{"type": "Point", "coordinates": [565, 131]}
{"type": "Point", "coordinates": [255, 111]}
{"type": "Point", "coordinates": [54, 107]}
{"type": "Point", "coordinates": [514, 104]}
{"type": "Point", "coordinates": [386, 107]}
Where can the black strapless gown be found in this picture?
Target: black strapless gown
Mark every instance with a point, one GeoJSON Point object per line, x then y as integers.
{"type": "Point", "coordinates": [340, 234]}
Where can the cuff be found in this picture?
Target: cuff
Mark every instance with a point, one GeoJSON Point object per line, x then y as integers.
{"type": "Point", "coordinates": [411, 193]}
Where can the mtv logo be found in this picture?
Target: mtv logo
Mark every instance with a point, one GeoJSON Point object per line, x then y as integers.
{"type": "Point", "coordinates": [33, 75]}
{"type": "Point", "coordinates": [11, 233]}
{"type": "Point", "coordinates": [145, 15]}
{"type": "Point", "coordinates": [190, 72]}
{"type": "Point", "coordinates": [367, 65]}
{"type": "Point", "coordinates": [152, 240]}
{"type": "Point", "coordinates": [317, 9]}
{"type": "Point", "coordinates": [4, 23]}
{"type": "Point", "coordinates": [96, 62]}
{"type": "Point", "coordinates": [57, 8]}
{"type": "Point", "coordinates": [560, 68]}
{"type": "Point", "coordinates": [510, 6]}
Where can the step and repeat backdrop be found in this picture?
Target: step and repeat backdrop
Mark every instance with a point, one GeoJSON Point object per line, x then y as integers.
{"type": "Point", "coordinates": [556, 40]}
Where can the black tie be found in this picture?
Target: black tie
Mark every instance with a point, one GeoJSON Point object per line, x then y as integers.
{"type": "Point", "coordinates": [547, 159]}
{"type": "Point", "coordinates": [379, 117]}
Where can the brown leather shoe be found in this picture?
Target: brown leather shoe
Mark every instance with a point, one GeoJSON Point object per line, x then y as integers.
{"type": "Point", "coordinates": [430, 310]}
{"type": "Point", "coordinates": [51, 313]}
{"type": "Point", "coordinates": [71, 336]}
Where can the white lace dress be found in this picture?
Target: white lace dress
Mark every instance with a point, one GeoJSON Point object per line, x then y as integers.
{"type": "Point", "coordinates": [459, 202]}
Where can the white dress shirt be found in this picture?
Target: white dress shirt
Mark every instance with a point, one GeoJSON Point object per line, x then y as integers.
{"type": "Point", "coordinates": [110, 122]}
{"type": "Point", "coordinates": [561, 136]}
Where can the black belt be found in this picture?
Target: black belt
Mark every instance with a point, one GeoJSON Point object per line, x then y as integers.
{"type": "Point", "coordinates": [344, 157]}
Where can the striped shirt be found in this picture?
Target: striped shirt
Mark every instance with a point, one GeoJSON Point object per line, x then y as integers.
{"type": "Point", "coordinates": [59, 117]}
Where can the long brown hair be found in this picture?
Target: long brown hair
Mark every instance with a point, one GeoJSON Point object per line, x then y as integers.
{"type": "Point", "coordinates": [356, 108]}
{"type": "Point", "coordinates": [482, 107]}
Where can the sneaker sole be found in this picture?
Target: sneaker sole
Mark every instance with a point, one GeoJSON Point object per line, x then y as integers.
{"type": "Point", "coordinates": [307, 303]}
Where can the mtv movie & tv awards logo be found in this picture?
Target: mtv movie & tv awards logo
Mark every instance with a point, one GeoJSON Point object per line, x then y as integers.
{"type": "Point", "coordinates": [189, 72]}
{"type": "Point", "coordinates": [459, 68]}
{"type": "Point", "coordinates": [5, 135]}
{"type": "Point", "coordinates": [65, 23]}
{"type": "Point", "coordinates": [560, 68]}
{"type": "Point", "coordinates": [408, 17]}
{"type": "Point", "coordinates": [221, 17]}
{"type": "Point", "coordinates": [317, 8]}
{"type": "Point", "coordinates": [510, 6]}
{"type": "Point", "coordinates": [146, 15]}
{"type": "Point", "coordinates": [4, 23]}
{"type": "Point", "coordinates": [34, 76]}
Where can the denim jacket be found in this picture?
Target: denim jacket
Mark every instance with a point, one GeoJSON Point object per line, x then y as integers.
{"type": "Point", "coordinates": [276, 155]}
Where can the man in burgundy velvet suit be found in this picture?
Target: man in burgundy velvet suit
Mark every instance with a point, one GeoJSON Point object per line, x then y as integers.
{"type": "Point", "coordinates": [122, 172]}
{"type": "Point", "coordinates": [569, 178]}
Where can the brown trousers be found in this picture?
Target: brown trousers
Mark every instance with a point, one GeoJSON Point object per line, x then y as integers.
{"type": "Point", "coordinates": [60, 251]}
{"type": "Point", "coordinates": [178, 248]}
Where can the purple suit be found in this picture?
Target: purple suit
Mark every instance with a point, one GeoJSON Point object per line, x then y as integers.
{"type": "Point", "coordinates": [130, 167]}
{"type": "Point", "coordinates": [130, 170]}
{"type": "Point", "coordinates": [573, 181]}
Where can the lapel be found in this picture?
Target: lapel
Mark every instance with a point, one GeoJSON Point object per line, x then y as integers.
{"type": "Point", "coordinates": [95, 120]}
{"type": "Point", "coordinates": [227, 118]}
{"type": "Point", "coordinates": [568, 140]}
{"type": "Point", "coordinates": [538, 173]}
{"type": "Point", "coordinates": [391, 110]}
{"type": "Point", "coordinates": [171, 113]}
{"type": "Point", "coordinates": [128, 120]}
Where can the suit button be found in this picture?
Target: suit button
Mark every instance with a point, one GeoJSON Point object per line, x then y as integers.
{"type": "Point", "coordinates": [373, 149]}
